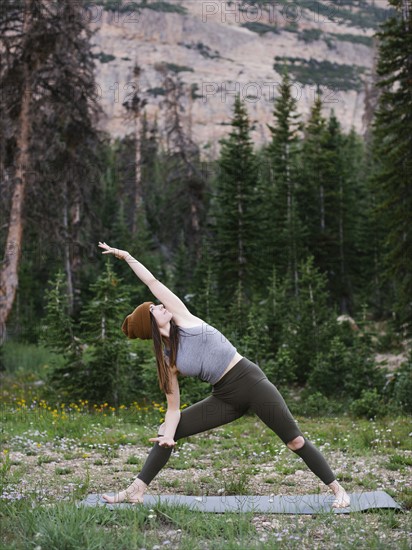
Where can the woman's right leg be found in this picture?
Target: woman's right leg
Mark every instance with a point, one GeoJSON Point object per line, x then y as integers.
{"type": "Point", "coordinates": [200, 417]}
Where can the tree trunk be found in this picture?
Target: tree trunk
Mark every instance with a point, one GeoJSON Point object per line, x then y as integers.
{"type": "Point", "coordinates": [67, 259]}
{"type": "Point", "coordinates": [138, 192]}
{"type": "Point", "coordinates": [9, 269]}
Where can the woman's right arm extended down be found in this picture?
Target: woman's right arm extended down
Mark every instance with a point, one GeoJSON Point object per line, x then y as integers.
{"type": "Point", "coordinates": [171, 302]}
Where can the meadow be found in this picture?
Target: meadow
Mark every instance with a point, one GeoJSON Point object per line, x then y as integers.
{"type": "Point", "coordinates": [52, 456]}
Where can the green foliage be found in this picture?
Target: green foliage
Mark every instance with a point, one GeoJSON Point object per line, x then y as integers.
{"type": "Point", "coordinates": [353, 38]}
{"type": "Point", "coordinates": [280, 225]}
{"type": "Point", "coordinates": [344, 372]}
{"type": "Point", "coordinates": [20, 357]}
{"type": "Point", "coordinates": [402, 387]}
{"type": "Point", "coordinates": [392, 147]}
{"type": "Point", "coordinates": [204, 50]}
{"type": "Point", "coordinates": [316, 404]}
{"type": "Point", "coordinates": [106, 367]}
{"type": "Point", "coordinates": [367, 15]}
{"type": "Point", "coordinates": [165, 7]}
{"type": "Point", "coordinates": [310, 35]}
{"type": "Point", "coordinates": [104, 57]}
{"type": "Point", "coordinates": [95, 361]}
{"type": "Point", "coordinates": [58, 327]}
{"type": "Point", "coordinates": [308, 322]}
{"type": "Point", "coordinates": [235, 244]}
{"type": "Point", "coordinates": [260, 28]}
{"type": "Point", "coordinates": [178, 68]}
{"type": "Point", "coordinates": [204, 301]}
{"type": "Point", "coordinates": [236, 208]}
{"type": "Point", "coordinates": [335, 76]}
{"type": "Point", "coordinates": [331, 199]}
{"type": "Point", "coordinates": [369, 405]}
{"type": "Point", "coordinates": [156, 91]}
{"type": "Point", "coordinates": [281, 370]}
{"type": "Point", "coordinates": [68, 375]}
{"type": "Point", "coordinates": [255, 341]}
{"type": "Point", "coordinates": [132, 8]}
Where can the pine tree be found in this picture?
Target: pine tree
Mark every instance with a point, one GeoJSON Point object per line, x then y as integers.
{"type": "Point", "coordinates": [106, 374]}
{"type": "Point", "coordinates": [237, 213]}
{"type": "Point", "coordinates": [284, 231]}
{"type": "Point", "coordinates": [393, 146]}
{"type": "Point", "coordinates": [308, 321]}
{"type": "Point", "coordinates": [205, 301]}
{"type": "Point", "coordinates": [313, 182]}
{"type": "Point", "coordinates": [330, 195]}
{"type": "Point", "coordinates": [48, 109]}
{"type": "Point", "coordinates": [57, 333]}
{"type": "Point", "coordinates": [332, 242]}
{"type": "Point", "coordinates": [255, 343]}
{"type": "Point", "coordinates": [355, 235]}
{"type": "Point", "coordinates": [57, 327]}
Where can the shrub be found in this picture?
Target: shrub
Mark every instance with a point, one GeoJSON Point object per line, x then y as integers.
{"type": "Point", "coordinates": [315, 404]}
{"type": "Point", "coordinates": [164, 7]}
{"type": "Point", "coordinates": [324, 73]}
{"type": "Point", "coordinates": [174, 68]}
{"type": "Point", "coordinates": [345, 371]}
{"type": "Point", "coordinates": [310, 35]}
{"type": "Point", "coordinates": [281, 370]}
{"type": "Point", "coordinates": [260, 28]}
{"type": "Point", "coordinates": [369, 405]}
{"type": "Point", "coordinates": [402, 393]}
{"type": "Point", "coordinates": [104, 57]}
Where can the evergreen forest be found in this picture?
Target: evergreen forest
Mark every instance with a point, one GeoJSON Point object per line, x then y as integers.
{"type": "Point", "coordinates": [299, 251]}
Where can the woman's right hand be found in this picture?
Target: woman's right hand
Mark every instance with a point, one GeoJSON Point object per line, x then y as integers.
{"type": "Point", "coordinates": [117, 253]}
{"type": "Point", "coordinates": [163, 441]}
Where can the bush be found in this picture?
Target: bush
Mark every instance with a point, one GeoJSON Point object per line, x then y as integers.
{"type": "Point", "coordinates": [316, 404]}
{"type": "Point", "coordinates": [345, 371]}
{"type": "Point", "coordinates": [323, 73]}
{"type": "Point", "coordinates": [260, 28]}
{"type": "Point", "coordinates": [281, 370]}
{"type": "Point", "coordinates": [369, 405]}
{"type": "Point", "coordinates": [402, 393]}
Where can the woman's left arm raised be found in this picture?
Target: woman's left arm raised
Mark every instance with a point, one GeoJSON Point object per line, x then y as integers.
{"type": "Point", "coordinates": [171, 302]}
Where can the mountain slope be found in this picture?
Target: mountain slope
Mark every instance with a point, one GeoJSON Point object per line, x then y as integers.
{"type": "Point", "coordinates": [217, 49]}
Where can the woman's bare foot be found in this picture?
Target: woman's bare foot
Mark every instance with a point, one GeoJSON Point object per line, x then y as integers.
{"type": "Point", "coordinates": [133, 494]}
{"type": "Point", "coordinates": [342, 499]}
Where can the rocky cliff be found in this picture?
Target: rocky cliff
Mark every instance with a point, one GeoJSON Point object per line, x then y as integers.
{"type": "Point", "coordinates": [219, 48]}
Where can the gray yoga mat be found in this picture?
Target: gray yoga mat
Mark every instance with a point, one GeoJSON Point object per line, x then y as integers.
{"type": "Point", "coordinates": [300, 504]}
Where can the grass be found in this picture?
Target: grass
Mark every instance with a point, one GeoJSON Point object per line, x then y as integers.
{"type": "Point", "coordinates": [53, 456]}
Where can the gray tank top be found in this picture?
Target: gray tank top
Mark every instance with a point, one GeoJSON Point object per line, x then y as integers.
{"type": "Point", "coordinates": [203, 352]}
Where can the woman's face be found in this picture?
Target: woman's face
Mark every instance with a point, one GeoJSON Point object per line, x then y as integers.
{"type": "Point", "coordinates": [161, 314]}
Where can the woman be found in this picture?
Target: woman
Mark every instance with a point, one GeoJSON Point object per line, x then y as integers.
{"type": "Point", "coordinates": [184, 344]}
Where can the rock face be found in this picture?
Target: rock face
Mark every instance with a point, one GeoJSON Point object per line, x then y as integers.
{"type": "Point", "coordinates": [217, 49]}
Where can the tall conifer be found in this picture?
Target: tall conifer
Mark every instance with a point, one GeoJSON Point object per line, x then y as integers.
{"type": "Point", "coordinates": [237, 207]}
{"type": "Point", "coordinates": [393, 146]}
{"type": "Point", "coordinates": [284, 228]}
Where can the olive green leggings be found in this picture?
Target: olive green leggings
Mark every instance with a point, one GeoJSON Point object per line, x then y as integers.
{"type": "Point", "coordinates": [245, 387]}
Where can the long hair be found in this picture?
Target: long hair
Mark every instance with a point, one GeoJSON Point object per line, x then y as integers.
{"type": "Point", "coordinates": [164, 370]}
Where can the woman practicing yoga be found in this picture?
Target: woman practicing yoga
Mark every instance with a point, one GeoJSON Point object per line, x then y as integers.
{"type": "Point", "coordinates": [184, 344]}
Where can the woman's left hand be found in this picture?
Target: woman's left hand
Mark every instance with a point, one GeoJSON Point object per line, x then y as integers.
{"type": "Point", "coordinates": [163, 441]}
{"type": "Point", "coordinates": [120, 254]}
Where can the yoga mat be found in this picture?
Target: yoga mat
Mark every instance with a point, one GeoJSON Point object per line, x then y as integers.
{"type": "Point", "coordinates": [299, 504]}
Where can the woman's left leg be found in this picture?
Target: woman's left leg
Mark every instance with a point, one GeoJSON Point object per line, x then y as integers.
{"type": "Point", "coordinates": [270, 407]}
